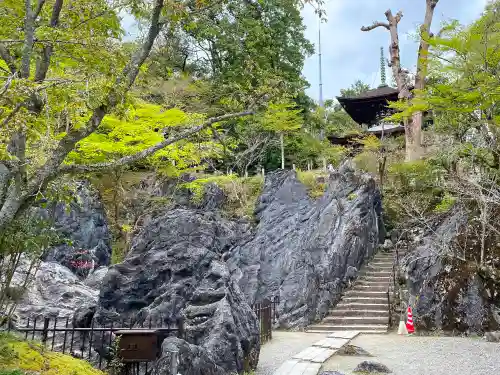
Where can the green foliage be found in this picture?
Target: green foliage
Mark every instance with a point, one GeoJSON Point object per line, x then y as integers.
{"type": "Point", "coordinates": [241, 193]}
{"type": "Point", "coordinates": [141, 127]}
{"type": "Point", "coordinates": [314, 181]}
{"type": "Point", "coordinates": [356, 89]}
{"type": "Point", "coordinates": [414, 190]}
{"type": "Point", "coordinates": [446, 204]}
{"type": "Point", "coordinates": [281, 117]}
{"type": "Point", "coordinates": [115, 365]}
{"type": "Point", "coordinates": [11, 372]}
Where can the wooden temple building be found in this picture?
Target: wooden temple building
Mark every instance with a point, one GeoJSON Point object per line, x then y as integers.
{"type": "Point", "coordinates": [368, 110]}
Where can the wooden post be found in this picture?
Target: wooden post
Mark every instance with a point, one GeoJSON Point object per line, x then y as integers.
{"type": "Point", "coordinates": [293, 167]}
{"type": "Point", "coordinates": [263, 173]}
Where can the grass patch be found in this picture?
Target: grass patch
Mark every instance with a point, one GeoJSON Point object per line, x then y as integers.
{"type": "Point", "coordinates": [315, 181]}
{"type": "Point", "coordinates": [242, 193]}
{"type": "Point", "coordinates": [18, 357]}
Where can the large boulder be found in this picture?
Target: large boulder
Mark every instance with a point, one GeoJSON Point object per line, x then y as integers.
{"type": "Point", "coordinates": [305, 250]}
{"type": "Point", "coordinates": [54, 292]}
{"type": "Point", "coordinates": [82, 226]}
{"type": "Point", "coordinates": [446, 288]}
{"type": "Point", "coordinates": [174, 269]}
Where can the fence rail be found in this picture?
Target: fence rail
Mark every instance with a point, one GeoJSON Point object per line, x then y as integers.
{"type": "Point", "coordinates": [94, 344]}
{"type": "Point", "coordinates": [267, 315]}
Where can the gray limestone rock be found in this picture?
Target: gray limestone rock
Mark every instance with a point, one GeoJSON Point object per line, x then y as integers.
{"type": "Point", "coordinates": [445, 292]}
{"type": "Point", "coordinates": [192, 359]}
{"type": "Point", "coordinates": [54, 292]}
{"type": "Point", "coordinates": [94, 279]}
{"type": "Point", "coordinates": [372, 367]}
{"type": "Point", "coordinates": [303, 248]}
{"type": "Point", "coordinates": [174, 270]}
{"type": "Point", "coordinates": [82, 222]}
{"type": "Point", "coordinates": [492, 336]}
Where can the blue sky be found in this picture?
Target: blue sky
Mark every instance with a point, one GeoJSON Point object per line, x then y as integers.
{"type": "Point", "coordinates": [349, 54]}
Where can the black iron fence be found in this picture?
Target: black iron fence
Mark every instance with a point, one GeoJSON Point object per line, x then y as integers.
{"type": "Point", "coordinates": [267, 315]}
{"type": "Point", "coordinates": [96, 344]}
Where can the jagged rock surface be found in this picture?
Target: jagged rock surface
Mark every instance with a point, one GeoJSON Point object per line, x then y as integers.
{"type": "Point", "coordinates": [54, 292]}
{"type": "Point", "coordinates": [303, 249]}
{"type": "Point", "coordinates": [174, 269]}
{"type": "Point", "coordinates": [447, 292]}
{"type": "Point", "coordinates": [83, 222]}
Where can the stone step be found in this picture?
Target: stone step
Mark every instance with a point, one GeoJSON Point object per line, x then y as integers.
{"type": "Point", "coordinates": [373, 283]}
{"type": "Point", "coordinates": [359, 312]}
{"type": "Point", "coordinates": [375, 279]}
{"type": "Point", "coordinates": [356, 320]}
{"type": "Point", "coordinates": [367, 294]}
{"type": "Point", "coordinates": [362, 328]}
{"type": "Point", "coordinates": [370, 287]}
{"type": "Point", "coordinates": [381, 263]}
{"type": "Point", "coordinates": [360, 306]}
{"type": "Point", "coordinates": [367, 300]}
{"type": "Point", "coordinates": [369, 273]}
{"type": "Point", "coordinates": [371, 267]}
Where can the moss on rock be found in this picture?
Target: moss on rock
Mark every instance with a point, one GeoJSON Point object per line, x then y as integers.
{"type": "Point", "coordinates": [30, 357]}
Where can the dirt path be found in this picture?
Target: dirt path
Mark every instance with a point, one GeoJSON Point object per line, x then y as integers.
{"type": "Point", "coordinates": [423, 355]}
{"type": "Point", "coordinates": [282, 347]}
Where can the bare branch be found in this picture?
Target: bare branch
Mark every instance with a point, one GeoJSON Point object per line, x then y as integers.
{"type": "Point", "coordinates": [43, 63]}
{"type": "Point", "coordinates": [39, 7]}
{"type": "Point", "coordinates": [6, 56]}
{"type": "Point", "coordinates": [398, 17]}
{"type": "Point", "coordinates": [7, 84]}
{"type": "Point", "coordinates": [151, 150]}
{"type": "Point", "coordinates": [375, 25]}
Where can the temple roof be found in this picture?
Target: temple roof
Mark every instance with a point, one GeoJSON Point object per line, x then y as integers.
{"type": "Point", "coordinates": [370, 106]}
{"type": "Point", "coordinates": [381, 91]}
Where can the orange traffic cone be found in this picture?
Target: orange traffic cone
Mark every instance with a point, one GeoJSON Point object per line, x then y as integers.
{"type": "Point", "coordinates": [409, 322]}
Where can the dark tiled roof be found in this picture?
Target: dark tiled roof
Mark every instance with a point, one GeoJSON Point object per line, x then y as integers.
{"type": "Point", "coordinates": [373, 93]}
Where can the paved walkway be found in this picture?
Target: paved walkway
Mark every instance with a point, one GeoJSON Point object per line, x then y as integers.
{"type": "Point", "coordinates": [302, 354]}
{"type": "Point", "coordinates": [419, 355]}
{"type": "Point", "coordinates": [282, 347]}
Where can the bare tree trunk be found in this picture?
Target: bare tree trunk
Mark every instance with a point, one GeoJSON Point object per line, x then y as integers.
{"type": "Point", "coordinates": [413, 126]}
{"type": "Point", "coordinates": [414, 150]}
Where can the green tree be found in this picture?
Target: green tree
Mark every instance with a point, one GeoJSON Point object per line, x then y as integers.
{"type": "Point", "coordinates": [356, 89]}
{"type": "Point", "coordinates": [65, 72]}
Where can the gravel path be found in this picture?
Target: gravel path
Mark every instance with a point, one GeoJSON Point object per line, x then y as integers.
{"type": "Point", "coordinates": [423, 355]}
{"type": "Point", "coordinates": [283, 347]}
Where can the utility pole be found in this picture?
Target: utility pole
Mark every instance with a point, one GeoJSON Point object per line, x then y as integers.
{"type": "Point", "coordinates": [321, 102]}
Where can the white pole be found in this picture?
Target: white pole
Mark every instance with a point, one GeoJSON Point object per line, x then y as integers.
{"type": "Point", "coordinates": [282, 151]}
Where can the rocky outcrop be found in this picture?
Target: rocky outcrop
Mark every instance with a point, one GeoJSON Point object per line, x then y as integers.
{"type": "Point", "coordinates": [83, 228]}
{"type": "Point", "coordinates": [304, 250]}
{"type": "Point", "coordinates": [174, 269]}
{"type": "Point", "coordinates": [446, 288]}
{"type": "Point", "coordinates": [54, 292]}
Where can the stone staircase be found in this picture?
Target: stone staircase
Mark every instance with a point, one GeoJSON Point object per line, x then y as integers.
{"type": "Point", "coordinates": [364, 307]}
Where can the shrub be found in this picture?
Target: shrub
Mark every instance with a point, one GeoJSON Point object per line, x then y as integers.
{"type": "Point", "coordinates": [314, 181]}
